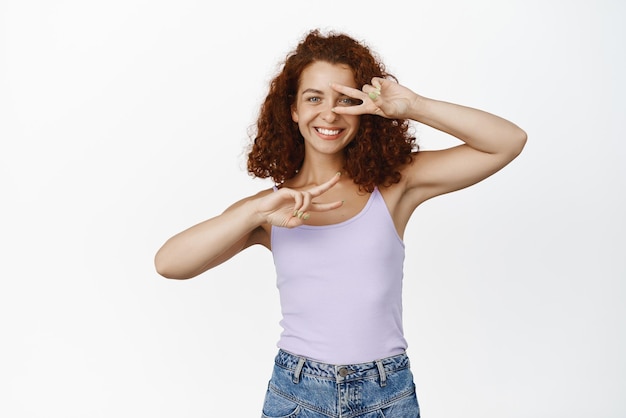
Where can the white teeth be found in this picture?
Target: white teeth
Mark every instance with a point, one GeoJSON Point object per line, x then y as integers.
{"type": "Point", "coordinates": [328, 131]}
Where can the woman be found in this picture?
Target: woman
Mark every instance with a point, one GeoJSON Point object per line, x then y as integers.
{"type": "Point", "coordinates": [333, 133]}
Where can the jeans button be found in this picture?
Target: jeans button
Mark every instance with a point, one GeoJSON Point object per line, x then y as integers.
{"type": "Point", "coordinates": [343, 372]}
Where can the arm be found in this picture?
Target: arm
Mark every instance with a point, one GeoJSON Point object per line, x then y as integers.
{"type": "Point", "coordinates": [210, 243]}
{"type": "Point", "coordinates": [490, 142]}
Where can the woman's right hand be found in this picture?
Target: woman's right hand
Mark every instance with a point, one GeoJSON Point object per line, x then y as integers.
{"type": "Point", "coordinates": [289, 208]}
{"type": "Point", "coordinates": [211, 242]}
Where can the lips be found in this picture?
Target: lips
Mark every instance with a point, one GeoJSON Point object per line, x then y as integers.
{"type": "Point", "coordinates": [328, 133]}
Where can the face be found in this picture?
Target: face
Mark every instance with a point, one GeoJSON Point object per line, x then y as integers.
{"type": "Point", "coordinates": [323, 130]}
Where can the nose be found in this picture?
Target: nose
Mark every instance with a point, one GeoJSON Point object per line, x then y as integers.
{"type": "Point", "coordinates": [328, 115]}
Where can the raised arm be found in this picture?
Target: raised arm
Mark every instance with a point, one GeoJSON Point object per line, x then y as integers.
{"type": "Point", "coordinates": [490, 142]}
{"type": "Point", "coordinates": [210, 243]}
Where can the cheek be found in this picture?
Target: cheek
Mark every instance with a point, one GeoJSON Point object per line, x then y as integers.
{"type": "Point", "coordinates": [355, 127]}
{"type": "Point", "coordinates": [355, 122]}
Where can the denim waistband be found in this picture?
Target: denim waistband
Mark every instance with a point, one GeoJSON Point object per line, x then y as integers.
{"type": "Point", "coordinates": [301, 365]}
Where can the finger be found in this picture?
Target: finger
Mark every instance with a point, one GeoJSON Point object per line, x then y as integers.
{"type": "Point", "coordinates": [324, 187]}
{"type": "Point", "coordinates": [369, 95]}
{"type": "Point", "coordinates": [306, 203]}
{"type": "Point", "coordinates": [297, 202]}
{"type": "Point", "coordinates": [324, 207]}
{"type": "Point", "coordinates": [377, 82]}
{"type": "Point", "coordinates": [367, 108]}
{"type": "Point", "coordinates": [302, 200]}
{"type": "Point", "coordinates": [348, 91]}
{"type": "Point", "coordinates": [372, 92]}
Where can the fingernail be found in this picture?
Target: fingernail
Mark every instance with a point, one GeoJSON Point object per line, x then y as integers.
{"type": "Point", "coordinates": [295, 213]}
{"type": "Point", "coordinates": [305, 217]}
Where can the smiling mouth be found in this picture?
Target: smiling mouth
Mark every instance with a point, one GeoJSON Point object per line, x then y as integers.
{"type": "Point", "coordinates": [328, 132]}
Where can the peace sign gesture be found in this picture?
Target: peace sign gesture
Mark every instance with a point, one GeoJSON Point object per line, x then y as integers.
{"type": "Point", "coordinates": [382, 97]}
{"type": "Point", "coordinates": [290, 208]}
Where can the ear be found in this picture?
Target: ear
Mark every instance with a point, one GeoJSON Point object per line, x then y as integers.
{"type": "Point", "coordinates": [294, 113]}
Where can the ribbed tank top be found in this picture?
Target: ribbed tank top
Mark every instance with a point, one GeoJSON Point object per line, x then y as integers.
{"type": "Point", "coordinates": [340, 287]}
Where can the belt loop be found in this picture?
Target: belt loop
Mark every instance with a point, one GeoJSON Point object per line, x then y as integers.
{"type": "Point", "coordinates": [382, 374]}
{"type": "Point", "coordinates": [298, 371]}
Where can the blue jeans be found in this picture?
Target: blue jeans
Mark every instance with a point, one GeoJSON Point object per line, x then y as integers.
{"type": "Point", "coordinates": [307, 389]}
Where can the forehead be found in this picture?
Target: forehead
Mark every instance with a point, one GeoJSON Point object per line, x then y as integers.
{"type": "Point", "coordinates": [320, 73]}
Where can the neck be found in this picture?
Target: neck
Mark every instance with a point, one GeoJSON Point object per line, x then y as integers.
{"type": "Point", "coordinates": [317, 172]}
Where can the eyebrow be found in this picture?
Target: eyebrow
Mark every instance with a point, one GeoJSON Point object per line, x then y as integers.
{"type": "Point", "coordinates": [315, 91]}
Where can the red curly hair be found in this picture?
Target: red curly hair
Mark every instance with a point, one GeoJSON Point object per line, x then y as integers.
{"type": "Point", "coordinates": [381, 145]}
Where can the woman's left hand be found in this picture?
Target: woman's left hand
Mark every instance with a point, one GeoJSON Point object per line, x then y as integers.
{"type": "Point", "coordinates": [382, 97]}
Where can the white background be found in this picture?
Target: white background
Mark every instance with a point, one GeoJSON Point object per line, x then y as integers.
{"type": "Point", "coordinates": [124, 122]}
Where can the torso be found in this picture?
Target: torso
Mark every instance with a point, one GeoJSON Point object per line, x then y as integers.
{"type": "Point", "coordinates": [354, 267]}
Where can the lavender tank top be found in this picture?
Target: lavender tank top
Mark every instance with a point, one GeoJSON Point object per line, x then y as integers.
{"type": "Point", "coordinates": [340, 287]}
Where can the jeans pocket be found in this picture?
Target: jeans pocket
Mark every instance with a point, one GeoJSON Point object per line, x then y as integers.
{"type": "Point", "coordinates": [277, 406]}
{"type": "Point", "coordinates": [406, 407]}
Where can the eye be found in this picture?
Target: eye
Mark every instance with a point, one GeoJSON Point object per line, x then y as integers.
{"type": "Point", "coordinates": [313, 99]}
{"type": "Point", "coordinates": [349, 101]}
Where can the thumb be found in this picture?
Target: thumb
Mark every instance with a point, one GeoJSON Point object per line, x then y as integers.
{"type": "Point", "coordinates": [377, 82]}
